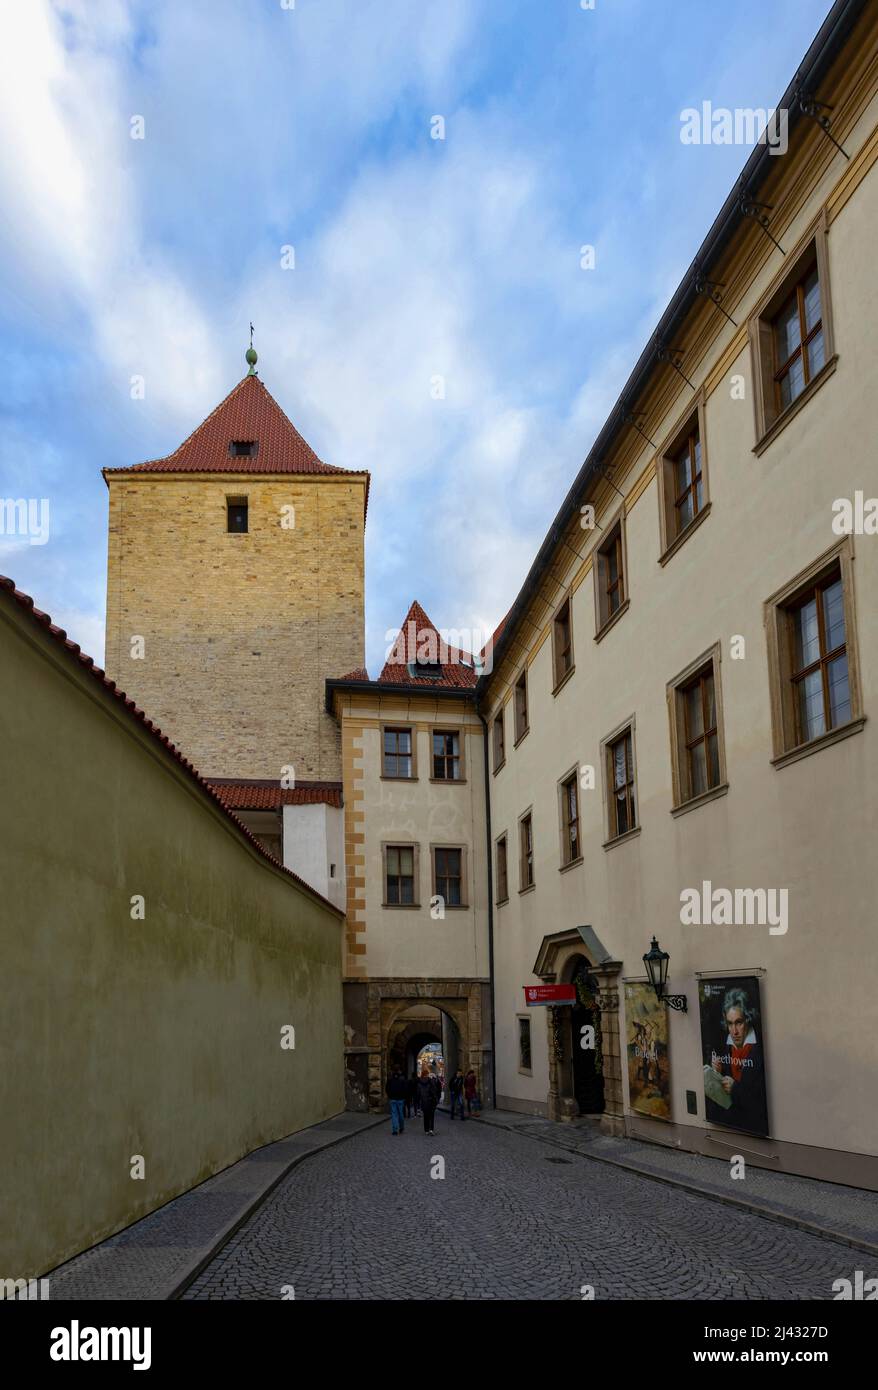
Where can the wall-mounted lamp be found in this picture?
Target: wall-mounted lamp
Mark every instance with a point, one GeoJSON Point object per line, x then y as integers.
{"type": "Point", "coordinates": [656, 962]}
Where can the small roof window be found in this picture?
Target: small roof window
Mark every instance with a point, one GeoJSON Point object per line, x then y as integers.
{"type": "Point", "coordinates": [425, 670]}
{"type": "Point", "coordinates": [243, 448]}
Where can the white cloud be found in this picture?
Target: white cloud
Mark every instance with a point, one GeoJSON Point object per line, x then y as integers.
{"type": "Point", "coordinates": [83, 628]}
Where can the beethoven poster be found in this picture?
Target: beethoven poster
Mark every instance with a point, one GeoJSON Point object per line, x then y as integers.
{"type": "Point", "coordinates": [649, 1083]}
{"type": "Point", "coordinates": [732, 1053]}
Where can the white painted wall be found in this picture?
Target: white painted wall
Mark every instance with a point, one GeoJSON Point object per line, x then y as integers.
{"type": "Point", "coordinates": [313, 844]}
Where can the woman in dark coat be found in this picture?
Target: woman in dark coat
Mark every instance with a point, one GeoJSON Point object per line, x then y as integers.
{"type": "Point", "coordinates": [428, 1098]}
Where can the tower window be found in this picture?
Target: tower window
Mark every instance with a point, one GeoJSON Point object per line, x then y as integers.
{"type": "Point", "coordinates": [236, 514]}
{"type": "Point", "coordinates": [243, 448]}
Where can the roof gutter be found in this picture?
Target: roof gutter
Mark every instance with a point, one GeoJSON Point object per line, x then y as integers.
{"type": "Point", "coordinates": [445, 692]}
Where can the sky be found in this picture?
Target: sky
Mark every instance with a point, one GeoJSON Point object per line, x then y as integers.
{"type": "Point", "coordinates": [434, 322]}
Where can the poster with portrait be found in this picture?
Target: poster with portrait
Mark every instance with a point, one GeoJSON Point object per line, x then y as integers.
{"type": "Point", "coordinates": [649, 1077]}
{"type": "Point", "coordinates": [732, 1053]}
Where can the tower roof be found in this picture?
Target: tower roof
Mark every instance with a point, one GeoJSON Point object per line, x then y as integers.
{"type": "Point", "coordinates": [248, 415]}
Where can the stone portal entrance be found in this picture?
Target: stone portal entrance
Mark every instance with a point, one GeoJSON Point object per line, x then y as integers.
{"type": "Point", "coordinates": [578, 1081]}
{"type": "Point", "coordinates": [382, 1020]}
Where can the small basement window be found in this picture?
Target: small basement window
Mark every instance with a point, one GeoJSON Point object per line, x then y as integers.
{"type": "Point", "coordinates": [236, 515]}
{"type": "Point", "coordinates": [243, 448]}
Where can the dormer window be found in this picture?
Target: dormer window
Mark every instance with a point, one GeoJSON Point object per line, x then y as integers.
{"type": "Point", "coordinates": [425, 670]}
{"type": "Point", "coordinates": [243, 448]}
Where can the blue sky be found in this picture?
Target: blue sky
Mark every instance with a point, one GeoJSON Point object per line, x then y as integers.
{"type": "Point", "coordinates": [310, 127]}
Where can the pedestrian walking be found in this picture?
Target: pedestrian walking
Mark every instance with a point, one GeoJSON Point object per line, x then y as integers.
{"type": "Point", "coordinates": [455, 1091]}
{"type": "Point", "coordinates": [428, 1097]}
{"type": "Point", "coordinates": [411, 1090]}
{"type": "Point", "coordinates": [396, 1092]}
{"type": "Point", "coordinates": [471, 1092]}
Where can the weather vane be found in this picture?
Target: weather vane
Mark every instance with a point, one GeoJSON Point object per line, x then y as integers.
{"type": "Point", "coordinates": [250, 355]}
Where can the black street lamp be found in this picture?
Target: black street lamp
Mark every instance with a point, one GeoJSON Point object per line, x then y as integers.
{"type": "Point", "coordinates": [656, 962]}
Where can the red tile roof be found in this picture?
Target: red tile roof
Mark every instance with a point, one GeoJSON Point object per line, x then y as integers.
{"type": "Point", "coordinates": [11, 595]}
{"type": "Point", "coordinates": [248, 413]}
{"type": "Point", "coordinates": [360, 674]}
{"type": "Point", "coordinates": [259, 794]}
{"type": "Point", "coordinates": [419, 637]}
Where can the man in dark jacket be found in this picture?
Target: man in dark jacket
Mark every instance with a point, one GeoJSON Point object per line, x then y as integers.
{"type": "Point", "coordinates": [396, 1091]}
{"type": "Point", "coordinates": [456, 1091]}
{"type": "Point", "coordinates": [428, 1098]}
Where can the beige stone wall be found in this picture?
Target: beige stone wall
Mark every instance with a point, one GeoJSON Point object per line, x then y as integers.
{"type": "Point", "coordinates": [808, 826]}
{"type": "Point", "coordinates": [240, 630]}
{"type": "Point", "coordinates": [407, 942]}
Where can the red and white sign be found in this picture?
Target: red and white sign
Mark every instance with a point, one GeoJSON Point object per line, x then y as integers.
{"type": "Point", "coordinates": [549, 994]}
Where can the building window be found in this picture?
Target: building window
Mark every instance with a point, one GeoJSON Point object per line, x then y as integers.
{"type": "Point", "coordinates": [682, 477]}
{"type": "Point", "coordinates": [571, 849]}
{"type": "Point", "coordinates": [799, 351]}
{"type": "Point", "coordinates": [621, 785]}
{"type": "Point", "coordinates": [562, 639]}
{"type": "Point", "coordinates": [697, 748]}
{"type": "Point", "coordinates": [400, 862]}
{"type": "Point", "coordinates": [526, 852]}
{"type": "Point", "coordinates": [700, 731]}
{"type": "Point", "coordinates": [819, 675]}
{"type": "Point", "coordinates": [499, 740]}
{"type": "Point", "coordinates": [502, 871]}
{"type": "Point", "coordinates": [791, 336]}
{"type": "Point", "coordinates": [688, 494]}
{"type": "Point", "coordinates": [448, 875]}
{"type": "Point", "coordinates": [398, 753]}
{"type": "Point", "coordinates": [243, 448]}
{"type": "Point", "coordinates": [521, 716]}
{"type": "Point", "coordinates": [524, 1052]}
{"type": "Point", "coordinates": [446, 755]}
{"type": "Point", "coordinates": [610, 583]}
{"type": "Point", "coordinates": [812, 656]}
{"type": "Point", "coordinates": [237, 520]}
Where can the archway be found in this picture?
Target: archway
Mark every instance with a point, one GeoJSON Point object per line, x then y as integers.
{"type": "Point", "coordinates": [410, 1031]}
{"type": "Point", "coordinates": [562, 957]}
{"type": "Point", "coordinates": [413, 1025]}
{"type": "Point", "coordinates": [430, 1058]}
{"type": "Point", "coordinates": [373, 1013]}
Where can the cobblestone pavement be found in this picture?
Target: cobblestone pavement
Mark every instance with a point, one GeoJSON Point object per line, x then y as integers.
{"type": "Point", "coordinates": [826, 1207]}
{"type": "Point", "coordinates": [510, 1220]}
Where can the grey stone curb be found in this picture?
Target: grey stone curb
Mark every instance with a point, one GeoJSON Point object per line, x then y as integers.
{"type": "Point", "coordinates": [754, 1208]}
{"type": "Point", "coordinates": [233, 1226]}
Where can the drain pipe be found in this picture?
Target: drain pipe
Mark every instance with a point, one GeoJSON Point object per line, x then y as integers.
{"type": "Point", "coordinates": [489, 848]}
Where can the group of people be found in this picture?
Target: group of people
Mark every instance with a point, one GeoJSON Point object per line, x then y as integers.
{"type": "Point", "coordinates": [421, 1094]}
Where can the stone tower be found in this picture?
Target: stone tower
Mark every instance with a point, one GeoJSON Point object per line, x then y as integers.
{"type": "Point", "coordinates": [235, 587]}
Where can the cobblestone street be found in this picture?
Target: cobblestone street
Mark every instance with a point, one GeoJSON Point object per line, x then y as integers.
{"type": "Point", "coordinates": [512, 1218]}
